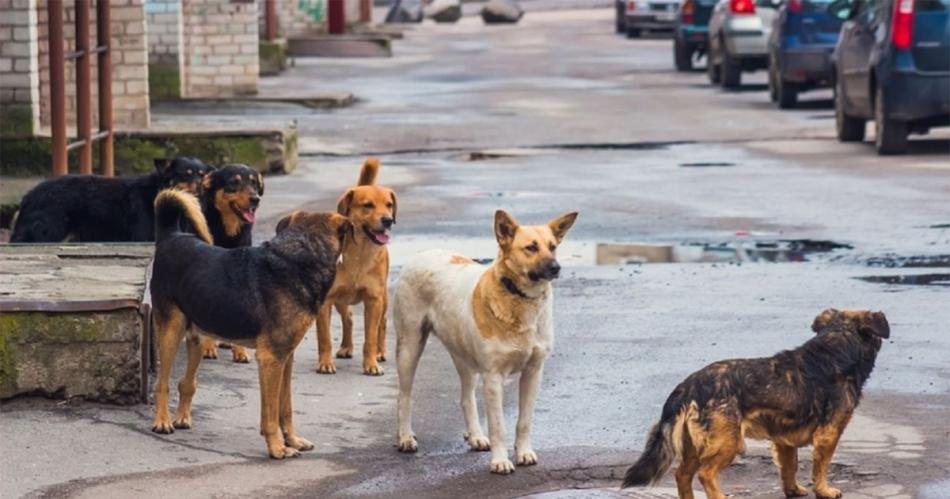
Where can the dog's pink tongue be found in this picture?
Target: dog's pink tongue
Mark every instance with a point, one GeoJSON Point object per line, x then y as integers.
{"type": "Point", "coordinates": [249, 216]}
{"type": "Point", "coordinates": [381, 237]}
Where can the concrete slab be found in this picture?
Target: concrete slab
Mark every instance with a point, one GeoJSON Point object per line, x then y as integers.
{"type": "Point", "coordinates": [350, 45]}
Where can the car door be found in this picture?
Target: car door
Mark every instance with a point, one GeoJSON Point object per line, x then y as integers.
{"type": "Point", "coordinates": [854, 57]}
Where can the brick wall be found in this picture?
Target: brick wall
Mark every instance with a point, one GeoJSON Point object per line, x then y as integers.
{"type": "Point", "coordinates": [19, 75]}
{"type": "Point", "coordinates": [220, 48]}
{"type": "Point", "coordinates": [164, 26]}
{"type": "Point", "coordinates": [129, 64]}
{"type": "Point", "coordinates": [296, 17]}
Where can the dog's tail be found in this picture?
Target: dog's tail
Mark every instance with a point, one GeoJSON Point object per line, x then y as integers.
{"type": "Point", "coordinates": [369, 171]}
{"type": "Point", "coordinates": [171, 206]}
{"type": "Point", "coordinates": [664, 444]}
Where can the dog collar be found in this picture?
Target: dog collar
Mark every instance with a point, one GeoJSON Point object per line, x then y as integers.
{"type": "Point", "coordinates": [513, 288]}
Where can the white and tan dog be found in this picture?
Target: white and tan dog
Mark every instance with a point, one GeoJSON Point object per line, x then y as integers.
{"type": "Point", "coordinates": [494, 322]}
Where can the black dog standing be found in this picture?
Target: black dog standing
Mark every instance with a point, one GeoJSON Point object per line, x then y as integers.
{"type": "Point", "coordinates": [91, 208]}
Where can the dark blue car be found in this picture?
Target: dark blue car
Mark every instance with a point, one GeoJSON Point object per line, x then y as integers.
{"type": "Point", "coordinates": [691, 32]}
{"type": "Point", "coordinates": [892, 65]}
{"type": "Point", "coordinates": [803, 37]}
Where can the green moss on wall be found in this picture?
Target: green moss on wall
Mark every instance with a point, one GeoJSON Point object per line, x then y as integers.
{"type": "Point", "coordinates": [164, 82]}
{"type": "Point", "coordinates": [273, 56]}
{"type": "Point", "coordinates": [16, 121]}
{"type": "Point", "coordinates": [8, 333]}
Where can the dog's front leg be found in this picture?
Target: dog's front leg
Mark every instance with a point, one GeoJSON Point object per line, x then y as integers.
{"type": "Point", "coordinates": [493, 385]}
{"type": "Point", "coordinates": [528, 387]}
{"type": "Point", "coordinates": [271, 372]}
{"type": "Point", "coordinates": [373, 311]}
{"type": "Point", "coordinates": [824, 441]}
{"type": "Point", "coordinates": [325, 363]}
{"type": "Point", "coordinates": [287, 410]}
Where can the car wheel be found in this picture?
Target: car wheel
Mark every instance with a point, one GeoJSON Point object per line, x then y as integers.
{"type": "Point", "coordinates": [849, 128]}
{"type": "Point", "coordinates": [731, 70]}
{"type": "Point", "coordinates": [773, 91]}
{"type": "Point", "coordinates": [786, 93]}
{"type": "Point", "coordinates": [682, 55]}
{"type": "Point", "coordinates": [890, 136]}
{"type": "Point", "coordinates": [712, 69]}
{"type": "Point", "coordinates": [633, 32]}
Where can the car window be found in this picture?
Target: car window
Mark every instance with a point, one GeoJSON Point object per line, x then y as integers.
{"type": "Point", "coordinates": [932, 5]}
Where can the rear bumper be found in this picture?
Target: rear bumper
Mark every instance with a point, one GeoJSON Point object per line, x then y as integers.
{"type": "Point", "coordinates": [807, 65]}
{"type": "Point", "coordinates": [747, 44]}
{"type": "Point", "coordinates": [650, 21]}
{"type": "Point", "coordinates": [914, 96]}
{"type": "Point", "coordinates": [697, 36]}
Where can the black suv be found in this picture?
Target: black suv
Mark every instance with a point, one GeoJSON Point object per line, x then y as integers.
{"type": "Point", "coordinates": [892, 65]}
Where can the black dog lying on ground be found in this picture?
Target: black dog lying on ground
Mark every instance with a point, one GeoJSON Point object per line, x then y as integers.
{"type": "Point", "coordinates": [263, 297]}
{"type": "Point", "coordinates": [795, 398]}
{"type": "Point", "coordinates": [230, 197]}
{"type": "Point", "coordinates": [91, 208]}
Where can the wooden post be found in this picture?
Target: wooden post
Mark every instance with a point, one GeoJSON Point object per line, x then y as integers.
{"type": "Point", "coordinates": [270, 20]}
{"type": "Point", "coordinates": [104, 41]}
{"type": "Point", "coordinates": [83, 87]}
{"type": "Point", "coordinates": [57, 87]}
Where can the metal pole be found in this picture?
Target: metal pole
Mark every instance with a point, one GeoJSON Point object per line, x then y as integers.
{"type": "Point", "coordinates": [104, 39]}
{"type": "Point", "coordinates": [57, 87]}
{"type": "Point", "coordinates": [270, 20]}
{"type": "Point", "coordinates": [83, 87]}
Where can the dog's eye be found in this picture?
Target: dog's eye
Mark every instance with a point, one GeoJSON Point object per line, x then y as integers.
{"type": "Point", "coordinates": [531, 248]}
{"type": "Point", "coordinates": [389, 205]}
{"type": "Point", "coordinates": [552, 247]}
{"type": "Point", "coordinates": [189, 172]}
{"type": "Point", "coordinates": [368, 206]}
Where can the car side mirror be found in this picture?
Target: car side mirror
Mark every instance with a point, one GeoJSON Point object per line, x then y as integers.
{"type": "Point", "coordinates": [842, 9]}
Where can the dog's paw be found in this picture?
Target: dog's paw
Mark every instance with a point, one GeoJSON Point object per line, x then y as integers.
{"type": "Point", "coordinates": [182, 422]}
{"type": "Point", "coordinates": [163, 426]}
{"type": "Point", "coordinates": [209, 352]}
{"type": "Point", "coordinates": [827, 493]}
{"type": "Point", "coordinates": [240, 355]}
{"type": "Point", "coordinates": [344, 353]}
{"type": "Point", "coordinates": [283, 452]}
{"type": "Point", "coordinates": [527, 458]}
{"type": "Point", "coordinates": [381, 357]}
{"type": "Point", "coordinates": [502, 467]}
{"type": "Point", "coordinates": [478, 442]}
{"type": "Point", "coordinates": [324, 367]}
{"type": "Point", "coordinates": [797, 491]}
{"type": "Point", "coordinates": [408, 444]}
{"type": "Point", "coordinates": [298, 443]}
{"type": "Point", "coordinates": [372, 370]}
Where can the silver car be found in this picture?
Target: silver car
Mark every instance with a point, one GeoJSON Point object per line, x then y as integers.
{"type": "Point", "coordinates": [646, 15]}
{"type": "Point", "coordinates": [738, 39]}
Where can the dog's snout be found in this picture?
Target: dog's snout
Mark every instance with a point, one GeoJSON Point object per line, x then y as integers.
{"type": "Point", "coordinates": [554, 268]}
{"type": "Point", "coordinates": [255, 200]}
{"type": "Point", "coordinates": [387, 222]}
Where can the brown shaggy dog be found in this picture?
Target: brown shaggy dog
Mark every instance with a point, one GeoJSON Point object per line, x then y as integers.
{"type": "Point", "coordinates": [795, 398]}
{"type": "Point", "coordinates": [361, 275]}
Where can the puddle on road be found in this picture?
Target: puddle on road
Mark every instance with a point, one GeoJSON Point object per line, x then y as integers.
{"type": "Point", "coordinates": [707, 164]}
{"type": "Point", "coordinates": [914, 261]}
{"type": "Point", "coordinates": [942, 280]}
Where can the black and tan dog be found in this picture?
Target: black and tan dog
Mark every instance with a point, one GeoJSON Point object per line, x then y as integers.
{"type": "Point", "coordinates": [362, 273]}
{"type": "Point", "coordinates": [796, 398]}
{"type": "Point", "coordinates": [263, 297]}
{"type": "Point", "coordinates": [231, 195]}
{"type": "Point", "coordinates": [92, 208]}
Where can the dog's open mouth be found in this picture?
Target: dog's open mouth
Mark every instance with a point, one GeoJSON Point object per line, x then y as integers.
{"type": "Point", "coordinates": [246, 214]}
{"type": "Point", "coordinates": [378, 237]}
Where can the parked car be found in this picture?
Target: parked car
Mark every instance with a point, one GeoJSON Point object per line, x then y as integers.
{"type": "Point", "coordinates": [691, 32]}
{"type": "Point", "coordinates": [636, 16]}
{"type": "Point", "coordinates": [803, 37]}
{"type": "Point", "coordinates": [738, 39]}
{"type": "Point", "coordinates": [892, 65]}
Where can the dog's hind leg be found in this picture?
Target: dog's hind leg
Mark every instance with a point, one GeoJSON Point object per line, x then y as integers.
{"type": "Point", "coordinates": [721, 443]}
{"type": "Point", "coordinates": [473, 429]}
{"type": "Point", "coordinates": [786, 458]}
{"type": "Point", "coordinates": [287, 410]}
{"type": "Point", "coordinates": [373, 310]}
{"type": "Point", "coordinates": [824, 441]}
{"type": "Point", "coordinates": [493, 387]}
{"type": "Point", "coordinates": [528, 387]}
{"type": "Point", "coordinates": [411, 337]}
{"type": "Point", "coordinates": [188, 383]}
{"type": "Point", "coordinates": [169, 328]}
{"type": "Point", "coordinates": [271, 373]}
{"type": "Point", "coordinates": [209, 347]}
{"type": "Point", "coordinates": [381, 341]}
{"type": "Point", "coordinates": [689, 464]}
{"type": "Point", "coordinates": [346, 345]}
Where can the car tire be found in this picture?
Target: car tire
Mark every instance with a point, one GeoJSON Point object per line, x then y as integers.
{"type": "Point", "coordinates": [712, 69]}
{"type": "Point", "coordinates": [890, 136]}
{"type": "Point", "coordinates": [633, 32]}
{"type": "Point", "coordinates": [682, 55]}
{"type": "Point", "coordinates": [731, 71]}
{"type": "Point", "coordinates": [848, 128]}
{"type": "Point", "coordinates": [786, 93]}
{"type": "Point", "coordinates": [773, 90]}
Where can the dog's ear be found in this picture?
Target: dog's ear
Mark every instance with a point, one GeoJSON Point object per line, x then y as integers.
{"type": "Point", "coordinates": [286, 221]}
{"type": "Point", "coordinates": [343, 205]}
{"type": "Point", "coordinates": [505, 228]}
{"type": "Point", "coordinates": [823, 319]}
{"type": "Point", "coordinates": [874, 323]}
{"type": "Point", "coordinates": [207, 181]}
{"type": "Point", "coordinates": [560, 225]}
{"type": "Point", "coordinates": [393, 196]}
{"type": "Point", "coordinates": [162, 165]}
{"type": "Point", "coordinates": [260, 184]}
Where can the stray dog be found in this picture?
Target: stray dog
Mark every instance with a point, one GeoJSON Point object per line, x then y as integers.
{"type": "Point", "coordinates": [361, 274]}
{"type": "Point", "coordinates": [794, 398]}
{"type": "Point", "coordinates": [493, 321]}
{"type": "Point", "coordinates": [261, 297]}
{"type": "Point", "coordinates": [231, 195]}
{"type": "Point", "coordinates": [91, 208]}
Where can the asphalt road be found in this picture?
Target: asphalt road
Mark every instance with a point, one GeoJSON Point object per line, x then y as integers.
{"type": "Point", "coordinates": [574, 118]}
